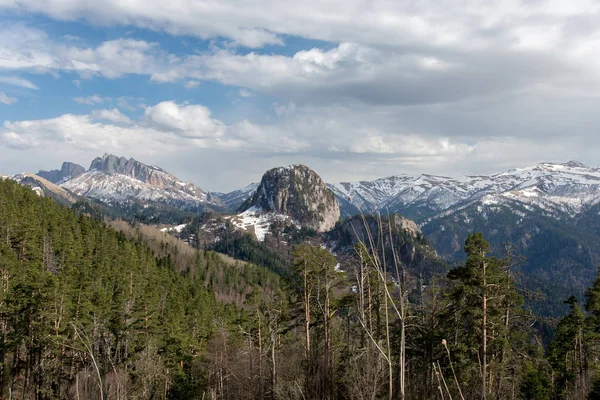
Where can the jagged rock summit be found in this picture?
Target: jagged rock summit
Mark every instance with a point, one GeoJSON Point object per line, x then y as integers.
{"type": "Point", "coordinates": [113, 179]}
{"type": "Point", "coordinates": [298, 192]}
{"type": "Point", "coordinates": [68, 171]}
{"type": "Point", "coordinates": [152, 175]}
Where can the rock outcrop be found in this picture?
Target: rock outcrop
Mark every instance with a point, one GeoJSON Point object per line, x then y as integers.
{"type": "Point", "coordinates": [298, 192]}
{"type": "Point", "coordinates": [68, 171]}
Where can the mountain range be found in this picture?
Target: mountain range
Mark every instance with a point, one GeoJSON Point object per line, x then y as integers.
{"type": "Point", "coordinates": [549, 212]}
{"type": "Point", "coordinates": [549, 215]}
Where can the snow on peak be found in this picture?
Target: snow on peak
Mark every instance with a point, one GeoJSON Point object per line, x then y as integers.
{"type": "Point", "coordinates": [564, 186]}
{"type": "Point", "coordinates": [117, 179]}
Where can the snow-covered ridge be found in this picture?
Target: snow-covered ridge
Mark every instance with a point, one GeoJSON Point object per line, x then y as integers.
{"type": "Point", "coordinates": [114, 187]}
{"type": "Point", "coordinates": [565, 187]}
{"type": "Point", "coordinates": [113, 179]}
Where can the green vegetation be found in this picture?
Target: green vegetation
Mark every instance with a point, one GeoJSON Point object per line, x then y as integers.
{"type": "Point", "coordinates": [90, 310]}
{"type": "Point", "coordinates": [559, 255]}
{"type": "Point", "coordinates": [86, 312]}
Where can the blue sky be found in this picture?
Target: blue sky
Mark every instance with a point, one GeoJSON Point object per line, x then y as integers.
{"type": "Point", "coordinates": [219, 92]}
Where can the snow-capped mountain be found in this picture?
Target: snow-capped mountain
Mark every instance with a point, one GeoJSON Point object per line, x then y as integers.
{"type": "Point", "coordinates": [233, 200]}
{"type": "Point", "coordinates": [111, 179]}
{"type": "Point", "coordinates": [555, 188]}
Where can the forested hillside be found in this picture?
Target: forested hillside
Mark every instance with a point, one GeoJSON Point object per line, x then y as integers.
{"type": "Point", "coordinates": [86, 312]}
{"type": "Point", "coordinates": [92, 311]}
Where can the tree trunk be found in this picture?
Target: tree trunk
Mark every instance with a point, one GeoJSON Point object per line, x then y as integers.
{"type": "Point", "coordinates": [307, 311]}
{"type": "Point", "coordinates": [484, 337]}
{"type": "Point", "coordinates": [260, 369]}
{"type": "Point", "coordinates": [273, 363]}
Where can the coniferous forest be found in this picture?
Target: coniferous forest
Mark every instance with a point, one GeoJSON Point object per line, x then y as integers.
{"type": "Point", "coordinates": [91, 310]}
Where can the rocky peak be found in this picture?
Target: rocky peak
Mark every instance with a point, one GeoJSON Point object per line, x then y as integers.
{"type": "Point", "coordinates": [296, 191]}
{"type": "Point", "coordinates": [112, 164]}
{"type": "Point", "coordinates": [68, 171]}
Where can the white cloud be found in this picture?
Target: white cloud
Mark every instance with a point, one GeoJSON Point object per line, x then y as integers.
{"type": "Point", "coordinates": [5, 99]}
{"type": "Point", "coordinates": [91, 100]}
{"type": "Point", "coordinates": [26, 48]}
{"type": "Point", "coordinates": [16, 81]}
{"type": "Point", "coordinates": [164, 127]}
{"type": "Point", "coordinates": [193, 121]}
{"type": "Point", "coordinates": [394, 85]}
{"type": "Point", "coordinates": [112, 115]}
{"type": "Point", "coordinates": [130, 103]}
{"type": "Point", "coordinates": [245, 93]}
{"type": "Point", "coordinates": [191, 84]}
{"type": "Point", "coordinates": [430, 23]}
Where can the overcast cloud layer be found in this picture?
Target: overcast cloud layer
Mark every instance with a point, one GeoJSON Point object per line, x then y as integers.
{"type": "Point", "coordinates": [354, 89]}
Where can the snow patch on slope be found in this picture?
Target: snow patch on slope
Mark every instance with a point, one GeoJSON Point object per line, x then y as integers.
{"type": "Point", "coordinates": [177, 228]}
{"type": "Point", "coordinates": [256, 221]}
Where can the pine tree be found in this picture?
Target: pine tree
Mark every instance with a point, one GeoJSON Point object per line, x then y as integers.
{"type": "Point", "coordinates": [483, 297]}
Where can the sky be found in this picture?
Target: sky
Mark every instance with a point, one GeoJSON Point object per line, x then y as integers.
{"type": "Point", "coordinates": [217, 92]}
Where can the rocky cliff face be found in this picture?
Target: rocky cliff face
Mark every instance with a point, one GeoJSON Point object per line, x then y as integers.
{"type": "Point", "coordinates": [298, 192]}
{"type": "Point", "coordinates": [113, 179]}
{"type": "Point", "coordinates": [152, 175]}
{"type": "Point", "coordinates": [68, 171]}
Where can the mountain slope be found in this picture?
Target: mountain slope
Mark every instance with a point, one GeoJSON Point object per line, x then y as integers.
{"type": "Point", "coordinates": [113, 179]}
{"type": "Point", "coordinates": [416, 256]}
{"type": "Point", "coordinates": [560, 256]}
{"type": "Point", "coordinates": [46, 188]}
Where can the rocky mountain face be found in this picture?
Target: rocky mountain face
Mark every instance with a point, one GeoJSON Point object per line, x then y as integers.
{"type": "Point", "coordinates": [116, 180]}
{"type": "Point", "coordinates": [298, 192]}
{"type": "Point", "coordinates": [68, 171]}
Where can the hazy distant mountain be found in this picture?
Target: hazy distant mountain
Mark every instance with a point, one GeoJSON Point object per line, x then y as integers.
{"type": "Point", "coordinates": [68, 171]}
{"type": "Point", "coordinates": [233, 200]}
